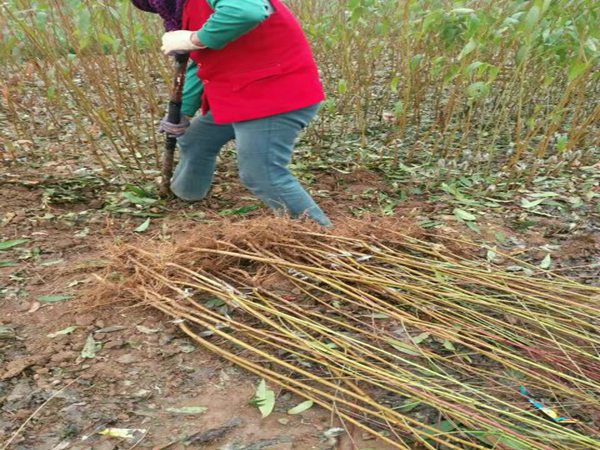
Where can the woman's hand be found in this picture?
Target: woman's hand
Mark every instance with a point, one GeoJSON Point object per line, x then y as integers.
{"type": "Point", "coordinates": [174, 129]}
{"type": "Point", "coordinates": [181, 41]}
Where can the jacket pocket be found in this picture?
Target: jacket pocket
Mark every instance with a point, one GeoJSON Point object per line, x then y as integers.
{"type": "Point", "coordinates": [241, 80]}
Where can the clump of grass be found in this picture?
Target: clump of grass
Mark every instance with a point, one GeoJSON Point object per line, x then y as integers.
{"type": "Point", "coordinates": [393, 333]}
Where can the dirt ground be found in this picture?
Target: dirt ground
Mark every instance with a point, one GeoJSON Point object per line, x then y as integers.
{"type": "Point", "coordinates": [144, 370]}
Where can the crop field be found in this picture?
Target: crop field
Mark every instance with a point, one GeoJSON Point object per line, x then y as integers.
{"type": "Point", "coordinates": [454, 304]}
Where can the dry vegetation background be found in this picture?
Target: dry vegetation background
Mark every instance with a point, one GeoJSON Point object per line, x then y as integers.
{"type": "Point", "coordinates": [458, 153]}
{"type": "Point", "coordinates": [506, 89]}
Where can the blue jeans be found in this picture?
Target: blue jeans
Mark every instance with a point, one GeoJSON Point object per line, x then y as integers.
{"type": "Point", "coordinates": [264, 150]}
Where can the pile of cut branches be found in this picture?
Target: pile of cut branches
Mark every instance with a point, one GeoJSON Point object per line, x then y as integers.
{"type": "Point", "coordinates": [393, 332]}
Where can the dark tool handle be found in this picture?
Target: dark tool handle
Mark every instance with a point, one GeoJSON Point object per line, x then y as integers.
{"type": "Point", "coordinates": [173, 116]}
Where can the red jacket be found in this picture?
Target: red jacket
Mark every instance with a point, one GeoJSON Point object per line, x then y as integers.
{"type": "Point", "coordinates": [268, 71]}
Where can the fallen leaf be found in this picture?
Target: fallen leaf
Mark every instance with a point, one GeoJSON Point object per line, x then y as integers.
{"type": "Point", "coordinates": [408, 406]}
{"type": "Point", "coordinates": [546, 262]}
{"type": "Point", "coordinates": [137, 200]}
{"type": "Point", "coordinates": [187, 348]}
{"type": "Point", "coordinates": [461, 214]}
{"type": "Point", "coordinates": [90, 348]}
{"type": "Point", "coordinates": [143, 227]}
{"type": "Point", "coordinates": [527, 204]}
{"type": "Point", "coordinates": [333, 432]}
{"type": "Point", "coordinates": [420, 338]}
{"type": "Point", "coordinates": [404, 348]}
{"type": "Point", "coordinates": [7, 264]}
{"type": "Point", "coordinates": [264, 399]}
{"type": "Point", "coordinates": [14, 243]}
{"type": "Point", "coordinates": [123, 433]}
{"type": "Point", "coordinates": [189, 410]}
{"type": "Point", "coordinates": [64, 332]}
{"type": "Point", "coordinates": [380, 316]}
{"type": "Point", "coordinates": [111, 329]}
{"type": "Point", "coordinates": [146, 330]}
{"type": "Point", "coordinates": [54, 298]}
{"type": "Point", "coordinates": [491, 254]}
{"type": "Point", "coordinates": [239, 211]}
{"type": "Point", "coordinates": [449, 345]}
{"type": "Point", "coordinates": [302, 407]}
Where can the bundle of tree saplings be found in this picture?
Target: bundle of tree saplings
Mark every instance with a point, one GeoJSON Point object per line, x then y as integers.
{"type": "Point", "coordinates": [395, 332]}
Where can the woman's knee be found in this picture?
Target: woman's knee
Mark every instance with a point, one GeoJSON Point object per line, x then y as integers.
{"type": "Point", "coordinates": [253, 179]}
{"type": "Point", "coordinates": [266, 177]}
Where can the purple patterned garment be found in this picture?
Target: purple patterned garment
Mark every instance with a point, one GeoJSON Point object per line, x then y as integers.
{"type": "Point", "coordinates": [171, 11]}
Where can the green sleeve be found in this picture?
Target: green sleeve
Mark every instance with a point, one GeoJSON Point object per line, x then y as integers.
{"type": "Point", "coordinates": [232, 19]}
{"type": "Point", "coordinates": [192, 91]}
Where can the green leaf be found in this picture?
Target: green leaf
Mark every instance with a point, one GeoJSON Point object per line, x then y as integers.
{"type": "Point", "coordinates": [214, 303]}
{"type": "Point", "coordinates": [404, 348]}
{"type": "Point", "coordinates": [14, 243]}
{"type": "Point", "coordinates": [54, 298]}
{"type": "Point", "coordinates": [463, 11]}
{"type": "Point", "coordinates": [547, 194]}
{"type": "Point", "coordinates": [299, 409]}
{"type": "Point", "coordinates": [468, 48]}
{"type": "Point", "coordinates": [143, 227]}
{"type": "Point", "coordinates": [546, 262]}
{"type": "Point", "coordinates": [463, 215]}
{"type": "Point", "coordinates": [63, 332]}
{"type": "Point", "coordinates": [449, 346]}
{"type": "Point", "coordinates": [477, 90]}
{"type": "Point", "coordinates": [380, 316]}
{"type": "Point", "coordinates": [500, 237]}
{"type": "Point", "coordinates": [408, 406]}
{"type": "Point", "coordinates": [398, 108]}
{"type": "Point", "coordinates": [264, 399]}
{"type": "Point", "coordinates": [136, 200]}
{"type": "Point", "coordinates": [522, 53]}
{"type": "Point", "coordinates": [445, 426]}
{"type": "Point", "coordinates": [532, 17]}
{"type": "Point", "coordinates": [90, 348]}
{"type": "Point", "coordinates": [473, 226]}
{"type": "Point", "coordinates": [7, 264]}
{"type": "Point", "coordinates": [531, 204]}
{"type": "Point", "coordinates": [421, 338]}
{"type": "Point", "coordinates": [239, 211]}
{"type": "Point", "coordinates": [576, 70]}
{"type": "Point", "coordinates": [576, 202]}
{"type": "Point", "coordinates": [188, 410]}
